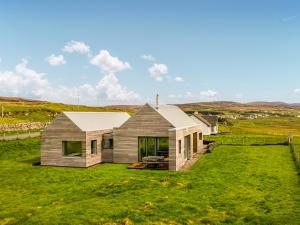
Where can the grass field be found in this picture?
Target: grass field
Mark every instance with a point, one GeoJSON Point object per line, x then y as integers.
{"type": "Point", "coordinates": [282, 126]}
{"type": "Point", "coordinates": [232, 185]}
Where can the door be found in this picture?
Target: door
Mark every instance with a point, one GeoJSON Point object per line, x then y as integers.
{"type": "Point", "coordinates": [187, 147]}
{"type": "Point", "coordinates": [153, 146]}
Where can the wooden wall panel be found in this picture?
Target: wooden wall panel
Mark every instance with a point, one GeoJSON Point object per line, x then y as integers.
{"type": "Point", "coordinates": [61, 129]}
{"type": "Point", "coordinates": [146, 122]}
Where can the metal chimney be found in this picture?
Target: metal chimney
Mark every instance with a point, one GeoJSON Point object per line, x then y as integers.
{"type": "Point", "coordinates": [157, 103]}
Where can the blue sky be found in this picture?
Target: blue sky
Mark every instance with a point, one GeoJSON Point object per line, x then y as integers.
{"type": "Point", "coordinates": [121, 52]}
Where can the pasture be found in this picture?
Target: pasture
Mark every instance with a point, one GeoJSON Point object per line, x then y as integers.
{"type": "Point", "coordinates": [234, 184]}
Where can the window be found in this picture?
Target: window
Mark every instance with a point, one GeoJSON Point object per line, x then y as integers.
{"type": "Point", "coordinates": [162, 146]}
{"type": "Point", "coordinates": [72, 148]}
{"type": "Point", "coordinates": [108, 143]}
{"type": "Point", "coordinates": [153, 146]}
{"type": "Point", "coordinates": [187, 146]}
{"type": "Point", "coordinates": [94, 147]}
{"type": "Point", "coordinates": [200, 136]}
{"type": "Point", "coordinates": [179, 146]}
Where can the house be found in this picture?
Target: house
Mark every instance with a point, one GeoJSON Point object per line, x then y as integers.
{"type": "Point", "coordinates": [209, 124]}
{"type": "Point", "coordinates": [158, 130]}
{"type": "Point", "coordinates": [80, 139]}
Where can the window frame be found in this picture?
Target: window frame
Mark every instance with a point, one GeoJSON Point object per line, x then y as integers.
{"type": "Point", "coordinates": [146, 146]}
{"type": "Point", "coordinates": [111, 143]}
{"type": "Point", "coordinates": [94, 150]}
{"type": "Point", "coordinates": [64, 146]}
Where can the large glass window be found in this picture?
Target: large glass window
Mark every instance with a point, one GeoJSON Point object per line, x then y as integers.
{"type": "Point", "coordinates": [72, 148]}
{"type": "Point", "coordinates": [108, 143]}
{"type": "Point", "coordinates": [153, 146]}
{"type": "Point", "coordinates": [94, 147]}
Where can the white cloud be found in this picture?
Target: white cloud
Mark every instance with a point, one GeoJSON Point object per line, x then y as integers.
{"type": "Point", "coordinates": [56, 60]}
{"type": "Point", "coordinates": [28, 83]}
{"type": "Point", "coordinates": [208, 94]}
{"type": "Point", "coordinates": [111, 86]}
{"type": "Point", "coordinates": [178, 79]}
{"type": "Point", "coordinates": [148, 57]}
{"type": "Point", "coordinates": [108, 63]}
{"type": "Point", "coordinates": [297, 91]}
{"type": "Point", "coordinates": [23, 80]}
{"type": "Point", "coordinates": [76, 46]}
{"type": "Point", "coordinates": [157, 70]}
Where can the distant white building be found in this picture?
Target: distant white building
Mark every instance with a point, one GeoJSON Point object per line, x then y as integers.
{"type": "Point", "coordinates": [209, 124]}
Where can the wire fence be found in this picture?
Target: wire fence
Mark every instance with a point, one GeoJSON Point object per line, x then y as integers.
{"type": "Point", "coordinates": [11, 137]}
{"type": "Point", "coordinates": [295, 149]}
{"type": "Point", "coordinates": [249, 140]}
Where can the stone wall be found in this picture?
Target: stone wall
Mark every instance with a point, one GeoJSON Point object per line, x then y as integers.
{"type": "Point", "coordinates": [22, 126]}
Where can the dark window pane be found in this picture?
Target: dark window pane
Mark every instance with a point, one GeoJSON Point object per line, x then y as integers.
{"type": "Point", "coordinates": [72, 148]}
{"type": "Point", "coordinates": [162, 146]}
{"type": "Point", "coordinates": [142, 148]}
{"type": "Point", "coordinates": [94, 147]}
{"type": "Point", "coordinates": [107, 143]}
{"type": "Point", "coordinates": [179, 146]}
{"type": "Point", "coordinates": [151, 146]}
{"type": "Point", "coordinates": [200, 136]}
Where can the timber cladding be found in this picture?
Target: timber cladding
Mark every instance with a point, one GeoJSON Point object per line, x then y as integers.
{"type": "Point", "coordinates": [63, 129]}
{"type": "Point", "coordinates": [180, 134]}
{"type": "Point", "coordinates": [146, 122]}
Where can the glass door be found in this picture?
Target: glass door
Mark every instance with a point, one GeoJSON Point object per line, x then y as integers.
{"type": "Point", "coordinates": [153, 146]}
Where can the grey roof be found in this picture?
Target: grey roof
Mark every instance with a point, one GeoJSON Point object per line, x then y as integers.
{"type": "Point", "coordinates": [213, 120]}
{"type": "Point", "coordinates": [91, 121]}
{"type": "Point", "coordinates": [197, 117]}
{"type": "Point", "coordinates": [174, 115]}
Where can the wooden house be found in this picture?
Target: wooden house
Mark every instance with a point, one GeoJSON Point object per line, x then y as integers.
{"type": "Point", "coordinates": [160, 130]}
{"type": "Point", "coordinates": [80, 139]}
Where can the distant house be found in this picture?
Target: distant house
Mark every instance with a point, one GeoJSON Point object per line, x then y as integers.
{"type": "Point", "coordinates": [80, 139]}
{"type": "Point", "coordinates": [161, 130]}
{"type": "Point", "coordinates": [209, 124]}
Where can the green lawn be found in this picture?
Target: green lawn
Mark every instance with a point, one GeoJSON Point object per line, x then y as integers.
{"type": "Point", "coordinates": [232, 185]}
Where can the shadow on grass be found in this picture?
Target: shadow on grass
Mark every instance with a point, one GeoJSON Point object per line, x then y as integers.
{"type": "Point", "coordinates": [34, 161]}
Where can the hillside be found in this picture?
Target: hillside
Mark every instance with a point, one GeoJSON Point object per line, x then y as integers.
{"type": "Point", "coordinates": [18, 110]}
{"type": "Point", "coordinates": [235, 107]}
